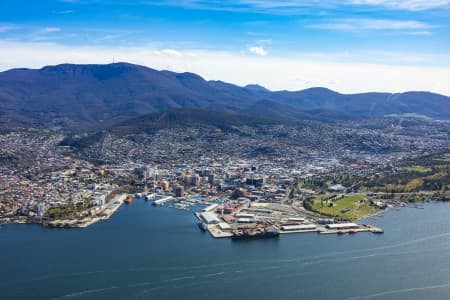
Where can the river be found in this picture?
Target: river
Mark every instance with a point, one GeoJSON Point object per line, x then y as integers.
{"type": "Point", "coordinates": [147, 252]}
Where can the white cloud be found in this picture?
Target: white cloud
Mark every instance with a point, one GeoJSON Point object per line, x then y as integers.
{"type": "Point", "coordinates": [170, 52]}
{"type": "Point", "coordinates": [404, 4]}
{"type": "Point", "coordinates": [5, 28]}
{"type": "Point", "coordinates": [281, 7]}
{"type": "Point", "coordinates": [298, 6]}
{"type": "Point", "coordinates": [371, 24]}
{"type": "Point", "coordinates": [258, 50]}
{"type": "Point", "coordinates": [423, 32]}
{"type": "Point", "coordinates": [264, 42]}
{"type": "Point", "coordinates": [65, 12]}
{"type": "Point", "coordinates": [291, 72]}
{"type": "Point", "coordinates": [50, 29]}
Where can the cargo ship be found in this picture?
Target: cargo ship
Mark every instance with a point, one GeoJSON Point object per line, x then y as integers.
{"type": "Point", "coordinates": [258, 233]}
{"type": "Point", "coordinates": [128, 199]}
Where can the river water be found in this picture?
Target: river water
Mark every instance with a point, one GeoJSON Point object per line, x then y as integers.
{"type": "Point", "coordinates": [146, 252]}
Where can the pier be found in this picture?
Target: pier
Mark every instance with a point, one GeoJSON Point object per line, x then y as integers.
{"type": "Point", "coordinates": [162, 200]}
{"type": "Point", "coordinates": [216, 228]}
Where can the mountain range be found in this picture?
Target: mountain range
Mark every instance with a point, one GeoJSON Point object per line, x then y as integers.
{"type": "Point", "coordinates": [92, 95]}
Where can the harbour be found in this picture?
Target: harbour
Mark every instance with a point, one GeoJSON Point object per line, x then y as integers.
{"type": "Point", "coordinates": [79, 264]}
{"type": "Point", "coordinates": [232, 218]}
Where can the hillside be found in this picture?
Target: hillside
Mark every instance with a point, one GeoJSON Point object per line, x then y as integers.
{"type": "Point", "coordinates": [90, 95]}
{"type": "Point", "coordinates": [183, 118]}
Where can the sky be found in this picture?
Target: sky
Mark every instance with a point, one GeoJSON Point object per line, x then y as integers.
{"type": "Point", "coordinates": [349, 46]}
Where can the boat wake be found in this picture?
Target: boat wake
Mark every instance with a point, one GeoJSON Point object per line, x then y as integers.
{"type": "Point", "coordinates": [401, 291]}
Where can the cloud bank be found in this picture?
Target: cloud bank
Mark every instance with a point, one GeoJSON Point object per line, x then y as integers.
{"type": "Point", "coordinates": [291, 72]}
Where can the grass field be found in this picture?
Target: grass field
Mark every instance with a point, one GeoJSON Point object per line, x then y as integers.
{"type": "Point", "coordinates": [357, 207]}
{"type": "Point", "coordinates": [417, 169]}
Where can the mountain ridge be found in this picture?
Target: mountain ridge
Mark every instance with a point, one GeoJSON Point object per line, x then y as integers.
{"type": "Point", "coordinates": [73, 94]}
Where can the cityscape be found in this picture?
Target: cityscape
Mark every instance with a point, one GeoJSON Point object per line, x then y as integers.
{"type": "Point", "coordinates": [225, 150]}
{"type": "Point", "coordinates": [248, 179]}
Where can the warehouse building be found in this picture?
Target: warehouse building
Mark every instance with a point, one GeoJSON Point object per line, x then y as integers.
{"type": "Point", "coordinates": [224, 226]}
{"type": "Point", "coordinates": [342, 226]}
{"type": "Point", "coordinates": [298, 227]}
{"type": "Point", "coordinates": [210, 218]}
{"type": "Point", "coordinates": [246, 220]}
{"type": "Point", "coordinates": [212, 207]}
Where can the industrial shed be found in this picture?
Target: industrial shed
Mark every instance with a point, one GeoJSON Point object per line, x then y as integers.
{"type": "Point", "coordinates": [298, 227]}
{"type": "Point", "coordinates": [342, 226]}
{"type": "Point", "coordinates": [210, 218]}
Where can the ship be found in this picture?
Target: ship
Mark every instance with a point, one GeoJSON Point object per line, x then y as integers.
{"type": "Point", "coordinates": [129, 199]}
{"type": "Point", "coordinates": [258, 233]}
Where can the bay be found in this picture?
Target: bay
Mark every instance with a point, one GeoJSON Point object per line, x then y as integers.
{"type": "Point", "coordinates": [146, 252]}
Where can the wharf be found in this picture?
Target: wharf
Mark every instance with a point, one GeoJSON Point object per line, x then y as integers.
{"type": "Point", "coordinates": [363, 228]}
{"type": "Point", "coordinates": [215, 232]}
{"type": "Point", "coordinates": [162, 200]}
{"type": "Point", "coordinates": [214, 229]}
{"type": "Point", "coordinates": [299, 231]}
{"type": "Point", "coordinates": [113, 206]}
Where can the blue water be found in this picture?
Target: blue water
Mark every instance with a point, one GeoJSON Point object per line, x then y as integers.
{"type": "Point", "coordinates": [146, 252]}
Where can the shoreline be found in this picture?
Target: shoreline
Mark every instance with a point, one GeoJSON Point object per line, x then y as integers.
{"type": "Point", "coordinates": [118, 201]}
{"type": "Point", "coordinates": [216, 232]}
{"type": "Point", "coordinates": [104, 214]}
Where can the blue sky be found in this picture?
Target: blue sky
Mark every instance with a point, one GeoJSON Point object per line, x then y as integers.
{"type": "Point", "coordinates": [347, 45]}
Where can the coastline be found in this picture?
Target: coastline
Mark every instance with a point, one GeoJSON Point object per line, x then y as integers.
{"type": "Point", "coordinates": [104, 214]}
{"type": "Point", "coordinates": [101, 214]}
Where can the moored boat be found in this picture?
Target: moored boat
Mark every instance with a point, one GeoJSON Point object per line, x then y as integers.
{"type": "Point", "coordinates": [128, 199]}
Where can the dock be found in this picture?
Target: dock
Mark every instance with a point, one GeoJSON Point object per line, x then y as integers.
{"type": "Point", "coordinates": [299, 231]}
{"type": "Point", "coordinates": [214, 229]}
{"type": "Point", "coordinates": [361, 228]}
{"type": "Point", "coordinates": [162, 200]}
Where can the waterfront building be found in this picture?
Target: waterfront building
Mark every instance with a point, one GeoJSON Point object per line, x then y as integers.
{"type": "Point", "coordinates": [209, 218]}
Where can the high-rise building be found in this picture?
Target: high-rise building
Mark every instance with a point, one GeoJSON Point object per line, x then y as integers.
{"type": "Point", "coordinates": [179, 191]}
{"type": "Point", "coordinates": [41, 209]}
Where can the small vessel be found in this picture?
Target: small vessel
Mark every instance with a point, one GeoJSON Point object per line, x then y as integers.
{"type": "Point", "coordinates": [128, 199]}
{"type": "Point", "coordinates": [340, 232]}
{"type": "Point", "coordinates": [181, 206]}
